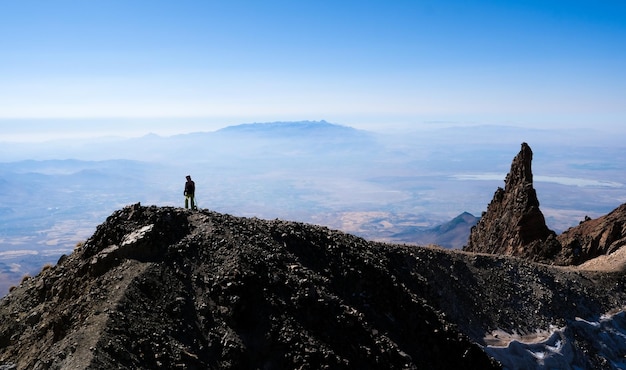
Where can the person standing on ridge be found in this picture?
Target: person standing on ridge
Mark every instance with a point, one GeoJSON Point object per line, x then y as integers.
{"type": "Point", "coordinates": [190, 192]}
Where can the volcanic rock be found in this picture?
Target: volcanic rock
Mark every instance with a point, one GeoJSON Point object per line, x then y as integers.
{"type": "Point", "coordinates": [169, 288]}
{"type": "Point", "coordinates": [513, 223]}
{"type": "Point", "coordinates": [593, 238]}
{"type": "Point", "coordinates": [166, 288]}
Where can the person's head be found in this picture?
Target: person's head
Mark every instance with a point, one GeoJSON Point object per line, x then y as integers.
{"type": "Point", "coordinates": [188, 177]}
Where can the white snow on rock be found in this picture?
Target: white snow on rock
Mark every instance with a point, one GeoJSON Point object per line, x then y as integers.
{"type": "Point", "coordinates": [554, 348]}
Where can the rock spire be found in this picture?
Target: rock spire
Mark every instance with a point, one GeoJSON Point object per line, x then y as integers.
{"type": "Point", "coordinates": [513, 223]}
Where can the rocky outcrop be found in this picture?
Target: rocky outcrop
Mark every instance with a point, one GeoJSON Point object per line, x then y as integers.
{"type": "Point", "coordinates": [593, 238]}
{"type": "Point", "coordinates": [513, 223]}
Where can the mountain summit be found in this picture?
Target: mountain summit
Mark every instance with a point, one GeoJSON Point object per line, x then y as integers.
{"type": "Point", "coordinates": [169, 288]}
{"type": "Point", "coordinates": [513, 223]}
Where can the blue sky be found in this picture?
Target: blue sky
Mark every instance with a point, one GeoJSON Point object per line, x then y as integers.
{"type": "Point", "coordinates": [177, 66]}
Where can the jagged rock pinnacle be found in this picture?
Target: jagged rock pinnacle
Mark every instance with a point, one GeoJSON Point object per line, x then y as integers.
{"type": "Point", "coordinates": [521, 171]}
{"type": "Point", "coordinates": [513, 223]}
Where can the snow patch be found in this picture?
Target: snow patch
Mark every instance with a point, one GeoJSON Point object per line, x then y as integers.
{"type": "Point", "coordinates": [555, 349]}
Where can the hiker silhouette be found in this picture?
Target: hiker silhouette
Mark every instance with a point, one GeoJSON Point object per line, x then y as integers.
{"type": "Point", "coordinates": [190, 193]}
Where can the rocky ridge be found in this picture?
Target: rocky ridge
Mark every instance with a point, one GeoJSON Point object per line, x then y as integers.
{"type": "Point", "coordinates": [593, 238]}
{"type": "Point", "coordinates": [169, 288]}
{"type": "Point", "coordinates": [162, 287]}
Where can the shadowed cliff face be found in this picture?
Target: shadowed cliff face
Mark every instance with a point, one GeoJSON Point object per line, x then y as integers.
{"type": "Point", "coordinates": [165, 288]}
{"type": "Point", "coordinates": [513, 223]}
{"type": "Point", "coordinates": [593, 238]}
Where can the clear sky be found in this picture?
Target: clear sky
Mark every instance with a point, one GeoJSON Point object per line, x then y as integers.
{"type": "Point", "coordinates": [189, 65]}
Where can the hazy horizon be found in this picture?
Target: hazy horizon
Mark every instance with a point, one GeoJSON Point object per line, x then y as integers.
{"type": "Point", "coordinates": [49, 130]}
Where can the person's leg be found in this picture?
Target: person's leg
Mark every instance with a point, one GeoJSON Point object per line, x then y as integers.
{"type": "Point", "coordinates": [186, 202]}
{"type": "Point", "coordinates": [193, 202]}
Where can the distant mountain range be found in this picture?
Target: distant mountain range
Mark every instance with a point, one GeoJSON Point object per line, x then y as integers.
{"type": "Point", "coordinates": [306, 129]}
